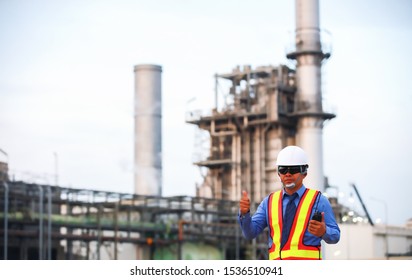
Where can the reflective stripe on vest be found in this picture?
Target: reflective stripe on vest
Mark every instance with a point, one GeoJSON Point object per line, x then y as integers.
{"type": "Point", "coordinates": [294, 247]}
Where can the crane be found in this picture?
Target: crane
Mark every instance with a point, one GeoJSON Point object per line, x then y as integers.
{"type": "Point", "coordinates": [363, 205]}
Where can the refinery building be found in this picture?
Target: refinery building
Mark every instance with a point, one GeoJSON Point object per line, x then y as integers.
{"type": "Point", "coordinates": [257, 112]}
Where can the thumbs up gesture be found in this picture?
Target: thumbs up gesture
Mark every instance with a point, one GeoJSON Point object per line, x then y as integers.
{"type": "Point", "coordinates": [244, 203]}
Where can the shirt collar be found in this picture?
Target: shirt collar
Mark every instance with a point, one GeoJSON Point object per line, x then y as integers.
{"type": "Point", "coordinates": [300, 191]}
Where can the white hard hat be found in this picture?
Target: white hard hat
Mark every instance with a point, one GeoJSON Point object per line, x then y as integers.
{"type": "Point", "coordinates": [292, 155]}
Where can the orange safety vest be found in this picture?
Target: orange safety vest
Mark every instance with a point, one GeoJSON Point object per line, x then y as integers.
{"type": "Point", "coordinates": [294, 247]}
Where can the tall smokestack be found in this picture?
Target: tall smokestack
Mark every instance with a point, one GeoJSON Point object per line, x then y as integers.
{"type": "Point", "coordinates": [309, 56]}
{"type": "Point", "coordinates": [148, 130]}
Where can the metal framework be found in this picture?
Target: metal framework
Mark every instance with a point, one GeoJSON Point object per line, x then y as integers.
{"type": "Point", "coordinates": [246, 133]}
{"type": "Point", "coordinates": [49, 222]}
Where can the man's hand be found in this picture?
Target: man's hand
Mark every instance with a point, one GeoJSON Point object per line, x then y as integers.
{"type": "Point", "coordinates": [244, 203]}
{"type": "Point", "coordinates": [317, 228]}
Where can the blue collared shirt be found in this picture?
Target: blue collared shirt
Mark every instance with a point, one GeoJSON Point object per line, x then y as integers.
{"type": "Point", "coordinates": [253, 226]}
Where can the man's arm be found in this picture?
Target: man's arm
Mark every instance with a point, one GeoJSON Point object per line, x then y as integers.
{"type": "Point", "coordinates": [328, 228]}
{"type": "Point", "coordinates": [252, 226]}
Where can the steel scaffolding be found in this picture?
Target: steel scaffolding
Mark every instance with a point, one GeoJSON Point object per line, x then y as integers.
{"type": "Point", "coordinates": [49, 222]}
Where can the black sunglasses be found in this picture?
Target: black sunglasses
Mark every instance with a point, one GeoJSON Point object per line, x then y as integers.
{"type": "Point", "coordinates": [291, 169]}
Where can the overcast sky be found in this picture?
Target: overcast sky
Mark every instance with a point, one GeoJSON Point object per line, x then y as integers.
{"type": "Point", "coordinates": [66, 88]}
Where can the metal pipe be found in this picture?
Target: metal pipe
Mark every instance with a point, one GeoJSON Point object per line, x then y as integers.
{"type": "Point", "coordinates": [40, 222]}
{"type": "Point", "coordinates": [6, 222]}
{"type": "Point", "coordinates": [180, 229]}
{"type": "Point", "coordinates": [216, 94]}
{"type": "Point", "coordinates": [180, 239]}
{"type": "Point", "coordinates": [56, 169]}
{"type": "Point", "coordinates": [49, 222]}
{"type": "Point", "coordinates": [116, 229]}
{"type": "Point", "coordinates": [264, 160]}
{"type": "Point", "coordinates": [99, 230]}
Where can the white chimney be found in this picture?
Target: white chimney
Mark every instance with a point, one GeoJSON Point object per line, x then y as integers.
{"type": "Point", "coordinates": [309, 55]}
{"type": "Point", "coordinates": [148, 130]}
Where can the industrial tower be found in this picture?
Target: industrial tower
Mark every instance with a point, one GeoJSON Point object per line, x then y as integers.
{"type": "Point", "coordinates": [266, 109]}
{"type": "Point", "coordinates": [309, 113]}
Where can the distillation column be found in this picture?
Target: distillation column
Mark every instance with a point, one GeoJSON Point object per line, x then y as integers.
{"type": "Point", "coordinates": [148, 130]}
{"type": "Point", "coordinates": [309, 55]}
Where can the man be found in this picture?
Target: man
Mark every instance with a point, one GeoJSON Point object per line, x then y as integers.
{"type": "Point", "coordinates": [294, 232]}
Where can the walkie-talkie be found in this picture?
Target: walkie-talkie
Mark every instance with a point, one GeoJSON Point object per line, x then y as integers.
{"type": "Point", "coordinates": [317, 216]}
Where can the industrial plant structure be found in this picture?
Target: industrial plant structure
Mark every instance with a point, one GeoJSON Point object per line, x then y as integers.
{"type": "Point", "coordinates": [50, 222]}
{"type": "Point", "coordinates": [266, 108]}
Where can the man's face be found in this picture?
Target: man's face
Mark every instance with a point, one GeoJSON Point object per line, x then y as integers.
{"type": "Point", "coordinates": [291, 175]}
